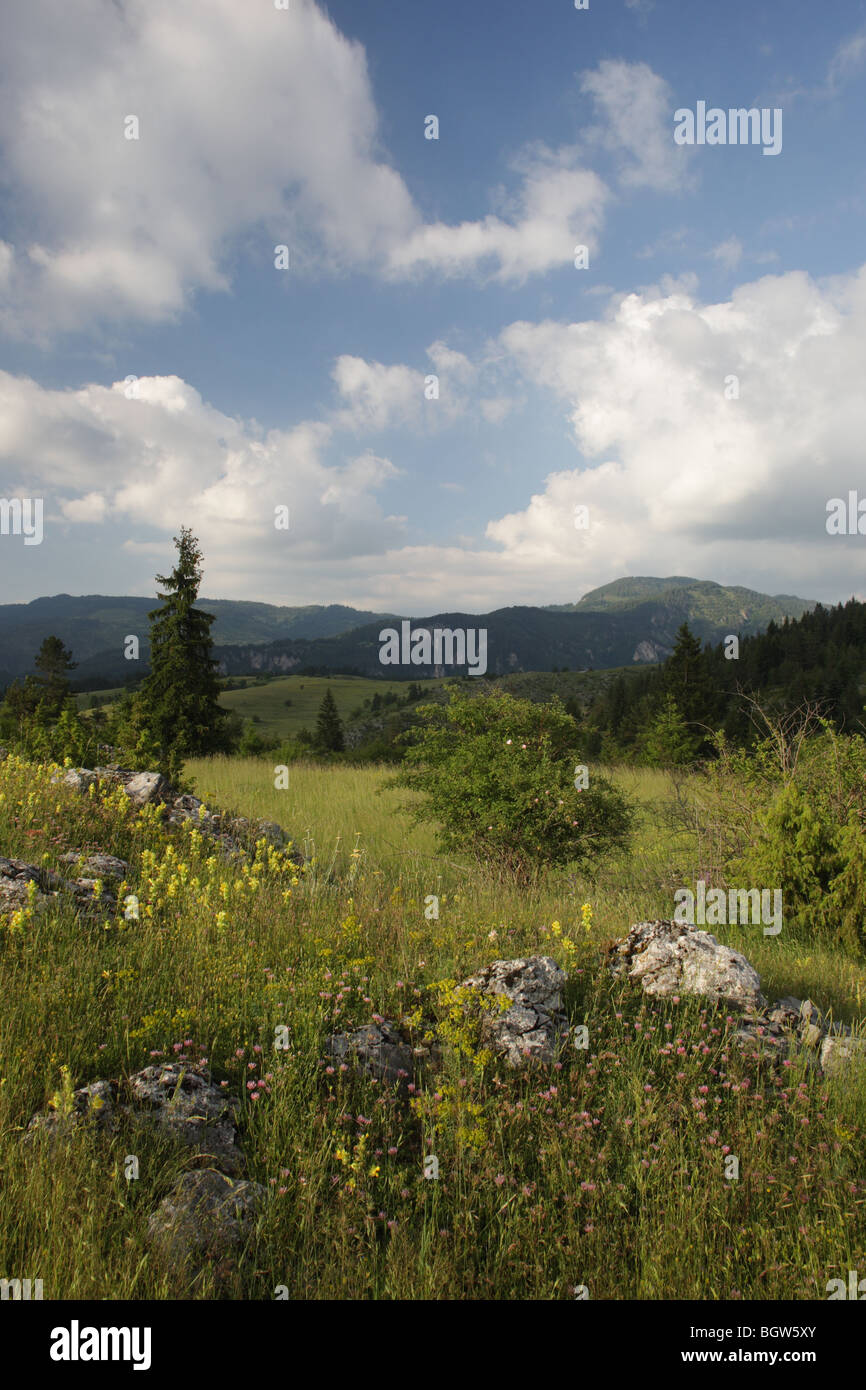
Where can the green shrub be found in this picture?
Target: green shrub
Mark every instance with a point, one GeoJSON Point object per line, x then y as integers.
{"type": "Point", "coordinates": [497, 775]}
{"type": "Point", "coordinates": [797, 851]}
{"type": "Point", "coordinates": [802, 825]}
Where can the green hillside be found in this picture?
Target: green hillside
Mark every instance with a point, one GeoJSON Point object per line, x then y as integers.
{"type": "Point", "coordinates": [701, 599]}
{"type": "Point", "coordinates": [267, 702]}
{"type": "Point", "coordinates": [95, 626]}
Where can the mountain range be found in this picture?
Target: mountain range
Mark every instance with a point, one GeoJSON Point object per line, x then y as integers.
{"type": "Point", "coordinates": [627, 621]}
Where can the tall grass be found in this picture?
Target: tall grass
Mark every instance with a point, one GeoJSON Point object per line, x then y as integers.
{"type": "Point", "coordinates": [606, 1170]}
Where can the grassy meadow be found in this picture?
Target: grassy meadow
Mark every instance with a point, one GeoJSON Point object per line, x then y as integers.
{"type": "Point", "coordinates": [266, 703]}
{"type": "Point", "coordinates": [605, 1170]}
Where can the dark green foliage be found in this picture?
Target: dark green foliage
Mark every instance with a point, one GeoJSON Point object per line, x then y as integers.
{"type": "Point", "coordinates": [801, 827]}
{"type": "Point", "coordinates": [52, 686]}
{"type": "Point", "coordinates": [819, 658]}
{"type": "Point", "coordinates": [498, 777]}
{"type": "Point", "coordinates": [178, 710]}
{"type": "Point", "coordinates": [328, 737]}
{"type": "Point", "coordinates": [669, 742]}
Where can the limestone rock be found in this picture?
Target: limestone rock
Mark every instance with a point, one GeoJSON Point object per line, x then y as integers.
{"type": "Point", "coordinates": [16, 876]}
{"type": "Point", "coordinates": [97, 865]}
{"type": "Point", "coordinates": [190, 1107]}
{"type": "Point", "coordinates": [668, 958]}
{"type": "Point", "coordinates": [94, 1104]}
{"type": "Point", "coordinates": [145, 787]}
{"type": "Point", "coordinates": [379, 1049]}
{"type": "Point", "coordinates": [273, 833]}
{"type": "Point", "coordinates": [174, 1097]}
{"type": "Point", "coordinates": [78, 778]}
{"type": "Point", "coordinates": [841, 1054]}
{"type": "Point", "coordinates": [206, 1220]}
{"type": "Point", "coordinates": [533, 1026]}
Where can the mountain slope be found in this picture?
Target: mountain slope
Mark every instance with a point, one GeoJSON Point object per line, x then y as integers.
{"type": "Point", "coordinates": [525, 639]}
{"type": "Point", "coordinates": [698, 599]}
{"type": "Point", "coordinates": [631, 620]}
{"type": "Point", "coordinates": [94, 627]}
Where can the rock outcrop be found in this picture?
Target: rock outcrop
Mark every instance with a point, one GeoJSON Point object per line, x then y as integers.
{"type": "Point", "coordinates": [236, 835]}
{"type": "Point", "coordinates": [90, 898]}
{"type": "Point", "coordinates": [532, 1027]}
{"type": "Point", "coordinates": [668, 958]}
{"type": "Point", "coordinates": [673, 958]}
{"type": "Point", "coordinates": [205, 1222]}
{"type": "Point", "coordinates": [209, 1215]}
{"type": "Point", "coordinates": [175, 1098]}
{"type": "Point", "coordinates": [378, 1049]}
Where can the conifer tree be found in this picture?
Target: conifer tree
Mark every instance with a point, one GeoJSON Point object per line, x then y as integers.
{"type": "Point", "coordinates": [668, 742]}
{"type": "Point", "coordinates": [328, 737]}
{"type": "Point", "coordinates": [51, 684]}
{"type": "Point", "coordinates": [179, 700]}
{"type": "Point", "coordinates": [687, 678]}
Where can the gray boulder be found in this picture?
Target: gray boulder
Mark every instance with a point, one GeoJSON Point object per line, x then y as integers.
{"type": "Point", "coordinates": [181, 1100]}
{"type": "Point", "coordinates": [273, 833]}
{"type": "Point", "coordinates": [668, 958]}
{"type": "Point", "coordinates": [16, 876]}
{"type": "Point", "coordinates": [533, 1027]}
{"type": "Point", "coordinates": [145, 787]}
{"type": "Point", "coordinates": [78, 778]}
{"type": "Point", "coordinates": [94, 1104]}
{"type": "Point", "coordinates": [175, 1098]}
{"type": "Point", "coordinates": [378, 1049]}
{"type": "Point", "coordinates": [97, 865]}
{"type": "Point", "coordinates": [206, 1220]}
{"type": "Point", "coordinates": [840, 1054]}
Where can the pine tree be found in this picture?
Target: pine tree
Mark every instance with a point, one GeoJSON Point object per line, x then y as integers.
{"type": "Point", "coordinates": [328, 737]}
{"type": "Point", "coordinates": [179, 701]}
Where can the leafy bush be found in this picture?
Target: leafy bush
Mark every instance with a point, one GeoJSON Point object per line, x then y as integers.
{"type": "Point", "coordinates": [802, 824]}
{"type": "Point", "coordinates": [498, 776]}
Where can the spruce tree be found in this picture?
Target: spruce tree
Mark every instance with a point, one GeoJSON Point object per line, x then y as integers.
{"type": "Point", "coordinates": [328, 737]}
{"type": "Point", "coordinates": [179, 700]}
{"type": "Point", "coordinates": [668, 741]}
{"type": "Point", "coordinates": [51, 684]}
{"type": "Point", "coordinates": [687, 678]}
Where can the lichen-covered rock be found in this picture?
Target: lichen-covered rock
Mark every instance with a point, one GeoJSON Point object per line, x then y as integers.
{"type": "Point", "coordinates": [97, 865]}
{"type": "Point", "coordinates": [176, 1098]}
{"type": "Point", "coordinates": [378, 1049]}
{"type": "Point", "coordinates": [533, 1027]}
{"type": "Point", "coordinates": [189, 1106]}
{"type": "Point", "coordinates": [185, 807]}
{"type": "Point", "coordinates": [668, 958]}
{"type": "Point", "coordinates": [841, 1054]}
{"type": "Point", "coordinates": [145, 787]}
{"type": "Point", "coordinates": [91, 898]}
{"type": "Point", "coordinates": [270, 831]}
{"type": "Point", "coordinates": [16, 878]}
{"type": "Point", "coordinates": [206, 1220]}
{"type": "Point", "coordinates": [21, 871]}
{"type": "Point", "coordinates": [94, 1104]}
{"type": "Point", "coordinates": [78, 778]}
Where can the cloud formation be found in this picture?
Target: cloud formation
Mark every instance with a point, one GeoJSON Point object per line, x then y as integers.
{"type": "Point", "coordinates": [256, 128]}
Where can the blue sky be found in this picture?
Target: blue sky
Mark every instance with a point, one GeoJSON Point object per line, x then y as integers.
{"type": "Point", "coordinates": [602, 386]}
